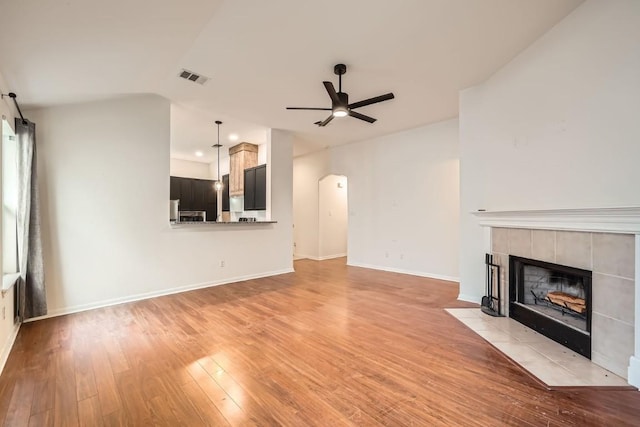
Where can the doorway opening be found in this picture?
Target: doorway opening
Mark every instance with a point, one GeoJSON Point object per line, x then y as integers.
{"type": "Point", "coordinates": [320, 218]}
{"type": "Point", "coordinates": [332, 217]}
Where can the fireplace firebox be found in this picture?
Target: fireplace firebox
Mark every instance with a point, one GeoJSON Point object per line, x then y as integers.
{"type": "Point", "coordinates": [553, 299]}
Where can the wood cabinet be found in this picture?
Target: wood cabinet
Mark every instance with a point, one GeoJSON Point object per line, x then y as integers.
{"type": "Point", "coordinates": [198, 189]}
{"type": "Point", "coordinates": [225, 194]}
{"type": "Point", "coordinates": [195, 195]}
{"type": "Point", "coordinates": [210, 198]}
{"type": "Point", "coordinates": [186, 195]}
{"type": "Point", "coordinates": [174, 188]}
{"type": "Point", "coordinates": [255, 188]}
{"type": "Point", "coordinates": [250, 189]}
{"type": "Point", "coordinates": [261, 188]}
{"type": "Point", "coordinates": [241, 157]}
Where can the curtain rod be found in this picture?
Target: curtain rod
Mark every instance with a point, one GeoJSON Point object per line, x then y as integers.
{"type": "Point", "coordinates": [14, 96]}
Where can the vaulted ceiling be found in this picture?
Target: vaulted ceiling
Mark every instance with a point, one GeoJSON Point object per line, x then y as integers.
{"type": "Point", "coordinates": [262, 56]}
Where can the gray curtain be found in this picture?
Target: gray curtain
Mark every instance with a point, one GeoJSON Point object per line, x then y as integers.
{"type": "Point", "coordinates": [32, 297]}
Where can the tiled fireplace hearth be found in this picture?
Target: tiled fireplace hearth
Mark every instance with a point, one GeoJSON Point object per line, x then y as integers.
{"type": "Point", "coordinates": [603, 243]}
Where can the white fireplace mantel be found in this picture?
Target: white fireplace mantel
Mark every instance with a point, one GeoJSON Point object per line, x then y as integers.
{"type": "Point", "coordinates": [605, 220]}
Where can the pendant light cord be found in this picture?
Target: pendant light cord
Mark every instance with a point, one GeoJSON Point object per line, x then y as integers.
{"type": "Point", "coordinates": [218, 183]}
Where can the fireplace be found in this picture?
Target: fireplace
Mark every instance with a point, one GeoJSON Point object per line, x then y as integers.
{"type": "Point", "coordinates": [605, 241]}
{"type": "Point", "coordinates": [553, 299]}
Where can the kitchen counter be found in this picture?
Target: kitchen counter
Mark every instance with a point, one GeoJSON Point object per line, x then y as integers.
{"type": "Point", "coordinates": [194, 224]}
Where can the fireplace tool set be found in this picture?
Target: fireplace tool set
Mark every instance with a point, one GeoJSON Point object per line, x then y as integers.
{"type": "Point", "coordinates": [491, 304]}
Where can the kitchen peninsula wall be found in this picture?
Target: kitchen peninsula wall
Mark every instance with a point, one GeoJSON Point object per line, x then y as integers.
{"type": "Point", "coordinates": [127, 248]}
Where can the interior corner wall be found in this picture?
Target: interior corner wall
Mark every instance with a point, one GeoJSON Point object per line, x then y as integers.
{"type": "Point", "coordinates": [104, 182]}
{"type": "Point", "coordinates": [557, 127]}
{"type": "Point", "coordinates": [307, 172]}
{"type": "Point", "coordinates": [404, 200]}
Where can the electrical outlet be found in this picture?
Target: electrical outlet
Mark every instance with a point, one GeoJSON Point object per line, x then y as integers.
{"type": "Point", "coordinates": [401, 256]}
{"type": "Point", "coordinates": [386, 254]}
{"type": "Point", "coordinates": [221, 263]}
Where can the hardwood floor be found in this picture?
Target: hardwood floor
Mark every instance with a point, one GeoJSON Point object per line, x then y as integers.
{"type": "Point", "coordinates": [330, 345]}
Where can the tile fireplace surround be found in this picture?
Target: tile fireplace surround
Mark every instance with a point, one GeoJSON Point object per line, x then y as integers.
{"type": "Point", "coordinates": [603, 240]}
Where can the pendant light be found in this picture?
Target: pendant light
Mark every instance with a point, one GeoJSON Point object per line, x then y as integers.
{"type": "Point", "coordinates": [218, 184]}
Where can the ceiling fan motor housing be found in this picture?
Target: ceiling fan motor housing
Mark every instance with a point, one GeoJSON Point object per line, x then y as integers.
{"type": "Point", "coordinates": [344, 100]}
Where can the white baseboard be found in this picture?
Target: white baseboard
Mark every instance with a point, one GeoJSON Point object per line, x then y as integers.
{"type": "Point", "coordinates": [319, 258]}
{"type": "Point", "coordinates": [403, 271]}
{"type": "Point", "coordinates": [633, 374]}
{"type": "Point", "coordinates": [8, 345]}
{"type": "Point", "coordinates": [470, 298]}
{"type": "Point", "coordinates": [303, 256]}
{"type": "Point", "coordinates": [138, 297]}
{"type": "Point", "coordinates": [326, 257]}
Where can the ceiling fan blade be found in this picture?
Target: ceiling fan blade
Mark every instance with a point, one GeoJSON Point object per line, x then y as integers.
{"type": "Point", "coordinates": [362, 117]}
{"type": "Point", "coordinates": [332, 92]}
{"type": "Point", "coordinates": [308, 108]}
{"type": "Point", "coordinates": [325, 121]}
{"type": "Point", "coordinates": [370, 101]}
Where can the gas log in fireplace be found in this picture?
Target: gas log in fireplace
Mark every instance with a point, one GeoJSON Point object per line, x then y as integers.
{"type": "Point", "coordinates": [553, 299]}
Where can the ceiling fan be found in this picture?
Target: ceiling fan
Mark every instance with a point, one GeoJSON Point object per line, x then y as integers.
{"type": "Point", "coordinates": [340, 106]}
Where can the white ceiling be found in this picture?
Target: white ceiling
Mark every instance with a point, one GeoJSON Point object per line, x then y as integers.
{"type": "Point", "coordinates": [193, 129]}
{"type": "Point", "coordinates": [263, 56]}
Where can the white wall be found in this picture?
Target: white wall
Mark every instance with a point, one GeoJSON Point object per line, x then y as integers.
{"type": "Point", "coordinates": [262, 154]}
{"type": "Point", "coordinates": [190, 169]}
{"type": "Point", "coordinates": [332, 216]}
{"type": "Point", "coordinates": [106, 234]}
{"type": "Point", "coordinates": [557, 127]}
{"type": "Point", "coordinates": [307, 171]}
{"type": "Point", "coordinates": [8, 329]}
{"type": "Point", "coordinates": [404, 200]}
{"type": "Point", "coordinates": [279, 149]}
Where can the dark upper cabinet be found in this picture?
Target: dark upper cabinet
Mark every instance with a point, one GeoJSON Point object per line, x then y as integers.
{"type": "Point", "coordinates": [250, 189]}
{"type": "Point", "coordinates": [225, 193]}
{"type": "Point", "coordinates": [186, 195]}
{"type": "Point", "coordinates": [195, 195]}
{"type": "Point", "coordinates": [255, 188]}
{"type": "Point", "coordinates": [198, 188]}
{"type": "Point", "coordinates": [174, 188]}
{"type": "Point", "coordinates": [261, 188]}
{"type": "Point", "coordinates": [210, 200]}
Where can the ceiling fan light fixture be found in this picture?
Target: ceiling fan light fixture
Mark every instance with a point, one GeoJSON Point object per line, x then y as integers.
{"type": "Point", "coordinates": [340, 105]}
{"type": "Point", "coordinates": [340, 112]}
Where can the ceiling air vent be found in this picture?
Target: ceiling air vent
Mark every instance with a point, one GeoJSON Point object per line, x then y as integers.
{"type": "Point", "coordinates": [191, 76]}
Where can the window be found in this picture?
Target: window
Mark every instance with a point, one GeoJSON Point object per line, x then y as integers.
{"type": "Point", "coordinates": [9, 205]}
